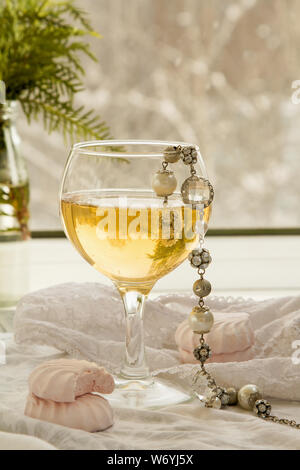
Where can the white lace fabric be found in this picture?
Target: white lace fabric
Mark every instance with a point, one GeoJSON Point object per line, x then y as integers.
{"type": "Point", "coordinates": [86, 321]}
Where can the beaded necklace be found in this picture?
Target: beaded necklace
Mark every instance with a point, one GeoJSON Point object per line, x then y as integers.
{"type": "Point", "coordinates": [198, 192]}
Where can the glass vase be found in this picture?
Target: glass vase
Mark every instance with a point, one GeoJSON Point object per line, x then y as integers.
{"type": "Point", "coordinates": [14, 215]}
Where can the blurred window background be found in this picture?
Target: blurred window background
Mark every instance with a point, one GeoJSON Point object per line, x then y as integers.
{"type": "Point", "coordinates": [218, 73]}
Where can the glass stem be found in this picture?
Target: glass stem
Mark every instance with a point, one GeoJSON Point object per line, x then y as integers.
{"type": "Point", "coordinates": [134, 365]}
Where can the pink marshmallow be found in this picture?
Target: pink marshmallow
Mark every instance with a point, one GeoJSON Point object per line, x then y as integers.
{"type": "Point", "coordinates": [88, 412]}
{"type": "Point", "coordinates": [231, 338]}
{"type": "Point", "coordinates": [62, 380]}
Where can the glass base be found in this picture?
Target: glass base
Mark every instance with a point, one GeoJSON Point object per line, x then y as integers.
{"type": "Point", "coordinates": [146, 393]}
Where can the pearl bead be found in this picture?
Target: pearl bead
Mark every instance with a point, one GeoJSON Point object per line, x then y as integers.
{"type": "Point", "coordinates": [248, 395]}
{"type": "Point", "coordinates": [201, 320]}
{"type": "Point", "coordinates": [232, 396]}
{"type": "Point", "coordinates": [202, 287]}
{"type": "Point", "coordinates": [217, 403]}
{"type": "Point", "coordinates": [164, 183]}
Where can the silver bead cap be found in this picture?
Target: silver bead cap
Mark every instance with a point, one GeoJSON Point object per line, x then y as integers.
{"type": "Point", "coordinates": [172, 154]}
{"type": "Point", "coordinates": [262, 408]}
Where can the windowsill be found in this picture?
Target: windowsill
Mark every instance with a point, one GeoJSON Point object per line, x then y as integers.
{"type": "Point", "coordinates": [233, 232]}
{"type": "Point", "coordinates": [249, 266]}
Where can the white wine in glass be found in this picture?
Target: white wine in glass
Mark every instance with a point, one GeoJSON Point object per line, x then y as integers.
{"type": "Point", "coordinates": [119, 226]}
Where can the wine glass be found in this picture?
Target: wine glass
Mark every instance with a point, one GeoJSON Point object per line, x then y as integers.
{"type": "Point", "coordinates": [122, 228]}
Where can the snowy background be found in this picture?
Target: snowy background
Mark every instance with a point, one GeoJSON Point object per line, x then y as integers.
{"type": "Point", "coordinates": [218, 73]}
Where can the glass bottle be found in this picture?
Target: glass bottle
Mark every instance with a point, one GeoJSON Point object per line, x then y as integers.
{"type": "Point", "coordinates": [14, 214]}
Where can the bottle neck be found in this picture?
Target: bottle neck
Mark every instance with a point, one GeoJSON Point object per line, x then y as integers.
{"type": "Point", "coordinates": [12, 164]}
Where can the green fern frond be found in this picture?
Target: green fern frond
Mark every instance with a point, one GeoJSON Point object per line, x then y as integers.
{"type": "Point", "coordinates": [41, 46]}
{"type": "Point", "coordinates": [72, 121]}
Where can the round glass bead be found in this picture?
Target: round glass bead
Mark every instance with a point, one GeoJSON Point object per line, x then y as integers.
{"type": "Point", "coordinates": [217, 404]}
{"type": "Point", "coordinates": [196, 190]}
